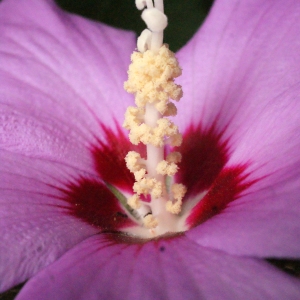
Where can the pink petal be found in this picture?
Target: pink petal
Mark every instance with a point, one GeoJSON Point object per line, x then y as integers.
{"type": "Point", "coordinates": [60, 76]}
{"type": "Point", "coordinates": [241, 75]}
{"type": "Point", "coordinates": [264, 223]}
{"type": "Point", "coordinates": [101, 268]}
{"type": "Point", "coordinates": [43, 206]}
{"type": "Point", "coordinates": [239, 61]}
{"type": "Point", "coordinates": [35, 230]}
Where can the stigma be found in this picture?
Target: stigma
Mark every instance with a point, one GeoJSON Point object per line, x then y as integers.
{"type": "Point", "coordinates": [157, 200]}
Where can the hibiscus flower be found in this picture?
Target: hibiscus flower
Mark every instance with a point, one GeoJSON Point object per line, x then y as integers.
{"type": "Point", "coordinates": [63, 175]}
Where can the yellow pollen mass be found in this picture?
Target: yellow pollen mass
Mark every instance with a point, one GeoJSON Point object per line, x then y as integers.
{"type": "Point", "coordinates": [175, 140]}
{"type": "Point", "coordinates": [134, 201]}
{"type": "Point", "coordinates": [171, 110]}
{"type": "Point", "coordinates": [139, 175]}
{"type": "Point", "coordinates": [150, 222]}
{"type": "Point", "coordinates": [174, 207]}
{"type": "Point", "coordinates": [148, 186]}
{"type": "Point", "coordinates": [133, 117]}
{"type": "Point", "coordinates": [174, 157]}
{"type": "Point", "coordinates": [166, 168]}
{"type": "Point", "coordinates": [178, 191]}
{"type": "Point", "coordinates": [133, 161]}
{"type": "Point", "coordinates": [151, 79]}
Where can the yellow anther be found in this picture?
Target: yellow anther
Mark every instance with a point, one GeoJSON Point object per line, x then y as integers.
{"type": "Point", "coordinates": [139, 175]}
{"type": "Point", "coordinates": [148, 186]}
{"type": "Point", "coordinates": [171, 110]}
{"type": "Point", "coordinates": [175, 140]}
{"type": "Point", "coordinates": [133, 161]}
{"type": "Point", "coordinates": [150, 222]}
{"type": "Point", "coordinates": [175, 92]}
{"type": "Point", "coordinates": [174, 157]}
{"type": "Point", "coordinates": [139, 134]}
{"type": "Point", "coordinates": [178, 191]}
{"type": "Point", "coordinates": [155, 136]}
{"type": "Point", "coordinates": [134, 201]}
{"type": "Point", "coordinates": [151, 78]}
{"type": "Point", "coordinates": [133, 117]}
{"type": "Point", "coordinates": [141, 187]}
{"type": "Point", "coordinates": [166, 127]}
{"type": "Point", "coordinates": [157, 190]}
{"type": "Point", "coordinates": [166, 168]}
{"type": "Point", "coordinates": [174, 207]}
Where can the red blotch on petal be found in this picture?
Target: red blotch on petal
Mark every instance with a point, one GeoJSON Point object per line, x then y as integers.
{"type": "Point", "coordinates": [92, 202]}
{"type": "Point", "coordinates": [109, 157]}
{"type": "Point", "coordinates": [226, 188]}
{"type": "Point", "coordinates": [203, 157]}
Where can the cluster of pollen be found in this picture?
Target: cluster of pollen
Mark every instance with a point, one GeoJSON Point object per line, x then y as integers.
{"type": "Point", "coordinates": [151, 79]}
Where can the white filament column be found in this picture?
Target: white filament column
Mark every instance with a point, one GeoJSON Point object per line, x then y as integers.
{"type": "Point", "coordinates": [156, 22]}
{"type": "Point", "coordinates": [148, 123]}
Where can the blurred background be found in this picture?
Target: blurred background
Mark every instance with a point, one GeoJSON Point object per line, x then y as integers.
{"type": "Point", "coordinates": [185, 16]}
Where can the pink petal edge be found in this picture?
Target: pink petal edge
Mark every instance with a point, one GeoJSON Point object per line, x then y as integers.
{"type": "Point", "coordinates": [169, 269]}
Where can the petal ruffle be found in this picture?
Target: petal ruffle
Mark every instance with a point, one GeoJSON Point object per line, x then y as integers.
{"type": "Point", "coordinates": [101, 268]}
{"type": "Point", "coordinates": [241, 74]}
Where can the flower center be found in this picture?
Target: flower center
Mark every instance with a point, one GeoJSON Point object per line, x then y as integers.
{"type": "Point", "coordinates": [152, 196]}
{"type": "Point", "coordinates": [101, 201]}
{"type": "Point", "coordinates": [151, 80]}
